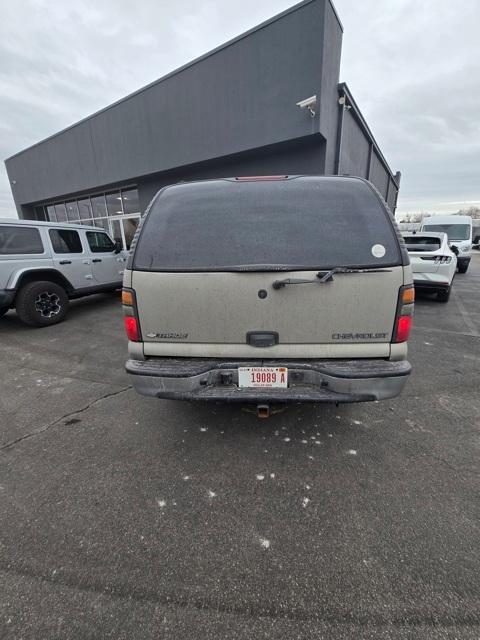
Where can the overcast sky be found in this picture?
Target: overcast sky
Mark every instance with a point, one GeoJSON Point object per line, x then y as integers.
{"type": "Point", "coordinates": [413, 67]}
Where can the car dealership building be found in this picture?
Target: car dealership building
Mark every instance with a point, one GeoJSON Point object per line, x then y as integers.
{"type": "Point", "coordinates": [231, 112]}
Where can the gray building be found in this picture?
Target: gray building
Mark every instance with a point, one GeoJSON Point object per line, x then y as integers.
{"type": "Point", "coordinates": [230, 112]}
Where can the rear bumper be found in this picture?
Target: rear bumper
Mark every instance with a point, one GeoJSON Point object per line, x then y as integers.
{"type": "Point", "coordinates": [431, 285]}
{"type": "Point", "coordinates": [7, 296]}
{"type": "Point", "coordinates": [309, 380]}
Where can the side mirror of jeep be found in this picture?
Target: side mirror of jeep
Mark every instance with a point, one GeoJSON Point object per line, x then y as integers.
{"type": "Point", "coordinates": [118, 246]}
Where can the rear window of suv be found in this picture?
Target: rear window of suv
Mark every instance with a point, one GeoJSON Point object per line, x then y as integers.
{"type": "Point", "coordinates": [20, 240]}
{"type": "Point", "coordinates": [299, 223]}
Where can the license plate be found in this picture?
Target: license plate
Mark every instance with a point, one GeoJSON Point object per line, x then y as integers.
{"type": "Point", "coordinates": [262, 377]}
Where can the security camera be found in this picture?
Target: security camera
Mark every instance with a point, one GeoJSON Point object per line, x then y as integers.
{"type": "Point", "coordinates": [308, 103]}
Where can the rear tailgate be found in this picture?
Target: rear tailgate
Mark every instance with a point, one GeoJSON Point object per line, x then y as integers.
{"type": "Point", "coordinates": [209, 253]}
{"type": "Point", "coordinates": [423, 263]}
{"type": "Point", "coordinates": [201, 314]}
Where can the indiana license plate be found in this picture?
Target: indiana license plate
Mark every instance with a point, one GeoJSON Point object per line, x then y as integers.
{"type": "Point", "coordinates": [262, 377]}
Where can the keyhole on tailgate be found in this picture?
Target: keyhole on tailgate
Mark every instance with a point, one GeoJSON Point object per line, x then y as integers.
{"type": "Point", "coordinates": [262, 294]}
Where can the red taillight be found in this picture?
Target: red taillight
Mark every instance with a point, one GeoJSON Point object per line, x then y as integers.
{"type": "Point", "coordinates": [402, 330]}
{"type": "Point", "coordinates": [131, 327]}
{"type": "Point", "coordinates": [404, 316]}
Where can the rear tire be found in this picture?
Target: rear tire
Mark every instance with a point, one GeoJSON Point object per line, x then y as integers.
{"type": "Point", "coordinates": [443, 295]}
{"type": "Point", "coordinates": [3, 311]}
{"type": "Point", "coordinates": [462, 268]}
{"type": "Point", "coordinates": [40, 304]}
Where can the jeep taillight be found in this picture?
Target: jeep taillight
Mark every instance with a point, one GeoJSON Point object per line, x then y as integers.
{"type": "Point", "coordinates": [404, 316]}
{"type": "Point", "coordinates": [132, 326]}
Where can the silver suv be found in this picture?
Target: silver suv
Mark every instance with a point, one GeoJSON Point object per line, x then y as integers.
{"type": "Point", "coordinates": [44, 264]}
{"type": "Point", "coordinates": [268, 289]}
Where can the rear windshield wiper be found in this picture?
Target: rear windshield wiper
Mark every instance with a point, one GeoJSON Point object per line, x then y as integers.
{"type": "Point", "coordinates": [324, 277]}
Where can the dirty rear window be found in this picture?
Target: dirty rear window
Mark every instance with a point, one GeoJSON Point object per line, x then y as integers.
{"type": "Point", "coordinates": [226, 225]}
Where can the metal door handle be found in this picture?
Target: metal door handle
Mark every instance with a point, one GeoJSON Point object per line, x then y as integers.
{"type": "Point", "coordinates": [65, 262]}
{"type": "Point", "coordinates": [96, 260]}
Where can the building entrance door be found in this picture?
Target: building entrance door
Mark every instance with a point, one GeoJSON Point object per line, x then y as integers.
{"type": "Point", "coordinates": [123, 228]}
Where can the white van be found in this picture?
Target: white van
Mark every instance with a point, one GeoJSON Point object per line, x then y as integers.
{"type": "Point", "coordinates": [459, 232]}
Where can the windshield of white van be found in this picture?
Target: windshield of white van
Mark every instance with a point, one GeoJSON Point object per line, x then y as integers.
{"type": "Point", "coordinates": [300, 223]}
{"type": "Point", "coordinates": [454, 231]}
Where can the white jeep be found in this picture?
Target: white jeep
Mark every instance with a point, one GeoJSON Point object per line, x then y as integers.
{"type": "Point", "coordinates": [44, 264]}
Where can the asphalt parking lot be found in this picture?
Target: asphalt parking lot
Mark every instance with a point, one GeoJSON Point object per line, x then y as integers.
{"type": "Point", "coordinates": [128, 517]}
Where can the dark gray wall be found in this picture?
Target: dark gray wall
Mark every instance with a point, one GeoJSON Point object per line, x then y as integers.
{"type": "Point", "coordinates": [305, 156]}
{"type": "Point", "coordinates": [357, 151]}
{"type": "Point", "coordinates": [355, 155]}
{"type": "Point", "coordinates": [238, 98]}
{"type": "Point", "coordinates": [378, 175]}
{"type": "Point", "coordinates": [392, 195]}
{"type": "Point", "coordinates": [330, 70]}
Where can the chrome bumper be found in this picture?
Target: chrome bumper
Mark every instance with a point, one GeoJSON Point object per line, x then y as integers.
{"type": "Point", "coordinates": [309, 380]}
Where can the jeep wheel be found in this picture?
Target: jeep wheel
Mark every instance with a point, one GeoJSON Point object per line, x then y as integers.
{"type": "Point", "coordinates": [443, 295]}
{"type": "Point", "coordinates": [40, 304]}
{"type": "Point", "coordinates": [462, 268]}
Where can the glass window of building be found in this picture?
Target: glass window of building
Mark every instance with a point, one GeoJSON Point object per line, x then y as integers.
{"type": "Point", "coordinates": [72, 211]}
{"type": "Point", "coordinates": [114, 204]}
{"type": "Point", "coordinates": [40, 213]}
{"type": "Point", "coordinates": [98, 206]}
{"type": "Point", "coordinates": [101, 222]}
{"type": "Point", "coordinates": [84, 209]}
{"type": "Point", "coordinates": [51, 213]}
{"type": "Point", "coordinates": [131, 202]}
{"type": "Point", "coordinates": [65, 241]}
{"type": "Point", "coordinates": [61, 212]}
{"type": "Point", "coordinates": [129, 227]}
{"type": "Point", "coordinates": [116, 230]}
